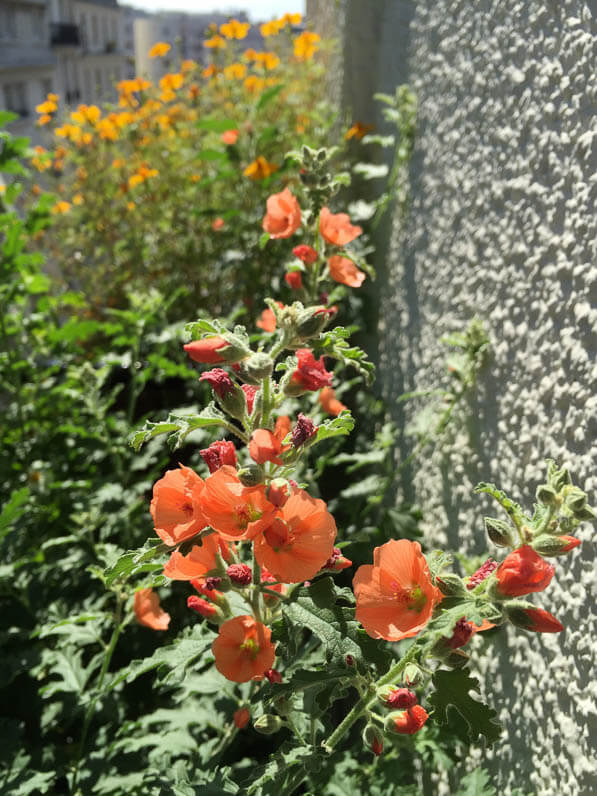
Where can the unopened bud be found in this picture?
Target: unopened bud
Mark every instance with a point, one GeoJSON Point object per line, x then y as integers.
{"type": "Point", "coordinates": [547, 495]}
{"type": "Point", "coordinates": [547, 545]}
{"type": "Point", "coordinates": [268, 724]}
{"type": "Point", "coordinates": [412, 674]}
{"type": "Point", "coordinates": [528, 617]}
{"type": "Point", "coordinates": [397, 698]}
{"type": "Point", "coordinates": [456, 659]}
{"type": "Point", "coordinates": [251, 475]}
{"type": "Point", "coordinates": [499, 532]}
{"type": "Point", "coordinates": [311, 321]}
{"type": "Point", "coordinates": [278, 492]}
{"type": "Point", "coordinates": [575, 498]}
{"type": "Point", "coordinates": [451, 586]}
{"type": "Point", "coordinates": [258, 366]}
{"type": "Point", "coordinates": [239, 574]}
{"type": "Point", "coordinates": [373, 739]}
{"type": "Point", "coordinates": [206, 609]}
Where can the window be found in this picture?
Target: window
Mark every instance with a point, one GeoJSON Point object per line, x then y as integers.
{"type": "Point", "coordinates": [8, 22]}
{"type": "Point", "coordinates": [15, 98]}
{"type": "Point", "coordinates": [37, 23]}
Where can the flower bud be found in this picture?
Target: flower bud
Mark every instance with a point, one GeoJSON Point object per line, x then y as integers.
{"type": "Point", "coordinates": [229, 395]}
{"type": "Point", "coordinates": [239, 574]}
{"type": "Point", "coordinates": [274, 676]}
{"type": "Point", "coordinates": [586, 513]}
{"type": "Point", "coordinates": [547, 495]}
{"type": "Point", "coordinates": [241, 718]}
{"type": "Point", "coordinates": [206, 609]}
{"type": "Point", "coordinates": [294, 279]}
{"type": "Point", "coordinates": [311, 321]}
{"type": "Point", "coordinates": [547, 545]}
{"type": "Point", "coordinates": [215, 349]}
{"type": "Point", "coordinates": [529, 617]}
{"type": "Point", "coordinates": [304, 429]}
{"type": "Point", "coordinates": [412, 674]}
{"type": "Point", "coordinates": [268, 724]}
{"type": "Point", "coordinates": [406, 722]}
{"type": "Point", "coordinates": [251, 475]}
{"type": "Point", "coordinates": [258, 366]}
{"type": "Point", "coordinates": [218, 454]}
{"type": "Point", "coordinates": [397, 698]}
{"type": "Point", "coordinates": [575, 498]}
{"type": "Point", "coordinates": [373, 739]}
{"type": "Point", "coordinates": [451, 586]}
{"type": "Point", "coordinates": [278, 492]}
{"type": "Point", "coordinates": [305, 253]}
{"type": "Point", "coordinates": [499, 532]}
{"type": "Point", "coordinates": [481, 574]}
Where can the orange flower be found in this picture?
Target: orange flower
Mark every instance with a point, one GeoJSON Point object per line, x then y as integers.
{"type": "Point", "coordinates": [283, 216]}
{"type": "Point", "coordinates": [215, 42]}
{"type": "Point", "coordinates": [329, 402]}
{"type": "Point", "coordinates": [159, 49]}
{"type": "Point", "coordinates": [267, 320]}
{"type": "Point", "coordinates": [395, 596]}
{"type": "Point", "coordinates": [243, 650]}
{"type": "Point", "coordinates": [148, 612]}
{"type": "Point", "coordinates": [235, 71]}
{"type": "Point", "coordinates": [234, 510]}
{"type": "Point", "coordinates": [305, 45]}
{"type": "Point", "coordinates": [296, 545]}
{"type": "Point", "coordinates": [217, 224]}
{"type": "Point", "coordinates": [234, 29]}
{"type": "Point", "coordinates": [199, 561]}
{"type": "Point", "coordinates": [260, 168]}
{"type": "Point", "coordinates": [265, 447]}
{"type": "Point", "coordinates": [241, 718]}
{"type": "Point", "coordinates": [345, 271]}
{"type": "Point", "coordinates": [282, 428]}
{"type": "Point", "coordinates": [229, 137]}
{"type": "Point", "coordinates": [336, 227]}
{"type": "Point", "coordinates": [176, 506]}
{"type": "Point", "coordinates": [523, 571]}
{"type": "Point", "coordinates": [61, 207]}
{"type": "Point", "coordinates": [358, 130]}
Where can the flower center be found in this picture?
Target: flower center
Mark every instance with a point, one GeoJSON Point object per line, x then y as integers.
{"type": "Point", "coordinates": [411, 598]}
{"type": "Point", "coordinates": [278, 535]}
{"type": "Point", "coordinates": [250, 647]}
{"type": "Point", "coordinates": [245, 513]}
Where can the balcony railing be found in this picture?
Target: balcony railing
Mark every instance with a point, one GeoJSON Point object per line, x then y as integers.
{"type": "Point", "coordinates": [64, 34]}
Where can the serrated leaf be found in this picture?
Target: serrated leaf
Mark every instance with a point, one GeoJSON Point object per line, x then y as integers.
{"type": "Point", "coordinates": [135, 562]}
{"type": "Point", "coordinates": [178, 427]}
{"type": "Point", "coordinates": [172, 661]}
{"type": "Point", "coordinates": [511, 508]}
{"type": "Point", "coordinates": [452, 691]}
{"type": "Point", "coordinates": [341, 425]}
{"type": "Point", "coordinates": [476, 783]}
{"type": "Point", "coordinates": [333, 343]}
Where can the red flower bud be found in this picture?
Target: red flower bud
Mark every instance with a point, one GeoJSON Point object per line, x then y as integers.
{"type": "Point", "coordinates": [240, 574]}
{"type": "Point", "coordinates": [307, 254]}
{"type": "Point", "coordinates": [401, 698]}
{"type": "Point", "coordinates": [304, 430]}
{"type": "Point", "coordinates": [463, 631]}
{"type": "Point", "coordinates": [218, 454]}
{"type": "Point", "coordinates": [273, 676]}
{"type": "Point", "coordinates": [336, 561]}
{"type": "Point", "coordinates": [201, 606]}
{"type": "Point", "coordinates": [481, 574]}
{"type": "Point", "coordinates": [219, 381]}
{"type": "Point", "coordinates": [311, 373]}
{"type": "Point", "coordinates": [294, 280]}
{"type": "Point", "coordinates": [407, 722]}
{"type": "Point", "coordinates": [207, 350]}
{"type": "Point", "coordinates": [241, 718]}
{"type": "Point", "coordinates": [279, 491]}
{"type": "Point", "coordinates": [250, 391]}
{"type": "Point", "coordinates": [523, 571]}
{"type": "Point", "coordinates": [531, 618]}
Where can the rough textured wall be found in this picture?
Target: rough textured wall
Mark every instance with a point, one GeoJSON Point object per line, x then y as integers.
{"type": "Point", "coordinates": [503, 225]}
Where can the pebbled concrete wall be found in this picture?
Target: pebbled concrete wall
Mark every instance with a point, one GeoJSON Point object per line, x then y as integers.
{"type": "Point", "coordinates": [502, 225]}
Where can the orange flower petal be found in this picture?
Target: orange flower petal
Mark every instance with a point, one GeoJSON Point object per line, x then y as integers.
{"type": "Point", "coordinates": [243, 650]}
{"type": "Point", "coordinates": [148, 612]}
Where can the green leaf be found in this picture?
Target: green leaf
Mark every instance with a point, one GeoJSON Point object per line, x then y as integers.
{"type": "Point", "coordinates": [476, 783]}
{"type": "Point", "coordinates": [135, 562]}
{"type": "Point", "coordinates": [215, 125]}
{"type": "Point", "coordinates": [268, 95]}
{"type": "Point", "coordinates": [13, 510]}
{"type": "Point", "coordinates": [6, 117]}
{"type": "Point", "coordinates": [211, 154]}
{"type": "Point", "coordinates": [173, 661]}
{"type": "Point", "coordinates": [452, 691]}
{"type": "Point", "coordinates": [336, 427]}
{"type": "Point", "coordinates": [178, 427]}
{"type": "Point", "coordinates": [333, 343]}
{"type": "Point", "coordinates": [263, 239]}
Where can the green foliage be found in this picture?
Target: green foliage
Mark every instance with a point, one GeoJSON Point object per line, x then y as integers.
{"type": "Point", "coordinates": [452, 691]}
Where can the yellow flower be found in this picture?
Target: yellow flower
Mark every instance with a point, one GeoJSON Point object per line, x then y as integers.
{"type": "Point", "coordinates": [130, 205]}
{"type": "Point", "coordinates": [118, 163]}
{"type": "Point", "coordinates": [358, 130]}
{"type": "Point", "coordinates": [250, 54]}
{"type": "Point", "coordinates": [268, 60]}
{"type": "Point", "coordinates": [195, 177]}
{"type": "Point", "coordinates": [234, 29]}
{"type": "Point", "coordinates": [45, 119]}
{"type": "Point", "coordinates": [82, 173]}
{"type": "Point", "coordinates": [107, 130]}
{"type": "Point", "coordinates": [172, 81]}
{"type": "Point", "coordinates": [291, 19]}
{"type": "Point", "coordinates": [78, 199]}
{"type": "Point", "coordinates": [271, 28]}
{"type": "Point", "coordinates": [159, 49]}
{"type": "Point", "coordinates": [86, 113]}
{"type": "Point", "coordinates": [210, 71]}
{"type": "Point", "coordinates": [46, 107]}
{"type": "Point", "coordinates": [216, 42]}
{"type": "Point", "coordinates": [53, 98]}
{"type": "Point", "coordinates": [254, 84]}
{"type": "Point", "coordinates": [70, 131]}
{"type": "Point", "coordinates": [235, 71]}
{"type": "Point", "coordinates": [2, 188]}
{"type": "Point", "coordinates": [61, 207]}
{"type": "Point", "coordinates": [259, 169]}
{"type": "Point", "coordinates": [134, 180]}
{"type": "Point", "coordinates": [305, 45]}
{"type": "Point", "coordinates": [188, 66]}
